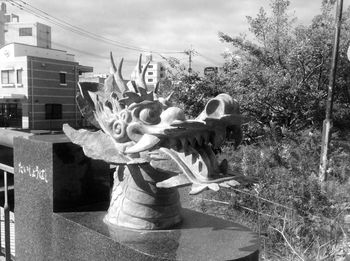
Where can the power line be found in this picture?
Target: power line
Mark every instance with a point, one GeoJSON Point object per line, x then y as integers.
{"type": "Point", "coordinates": [85, 52]}
{"type": "Point", "coordinates": [75, 29]}
{"type": "Point", "coordinates": [82, 32]}
{"type": "Point", "coordinates": [73, 26]}
{"type": "Point", "coordinates": [66, 26]}
{"type": "Point", "coordinates": [206, 58]}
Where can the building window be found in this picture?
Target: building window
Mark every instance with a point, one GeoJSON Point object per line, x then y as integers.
{"type": "Point", "coordinates": [161, 75]}
{"type": "Point", "coordinates": [7, 77]}
{"type": "Point", "coordinates": [150, 73]}
{"type": "Point", "coordinates": [63, 78]}
{"type": "Point", "coordinates": [162, 69]}
{"type": "Point", "coordinates": [150, 66]}
{"type": "Point", "coordinates": [150, 80]}
{"type": "Point", "coordinates": [26, 31]}
{"type": "Point", "coordinates": [53, 111]}
{"type": "Point", "coordinates": [10, 115]}
{"type": "Point", "coordinates": [19, 76]}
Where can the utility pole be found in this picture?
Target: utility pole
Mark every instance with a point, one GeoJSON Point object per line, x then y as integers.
{"type": "Point", "coordinates": [189, 53]}
{"type": "Point", "coordinates": [327, 123]}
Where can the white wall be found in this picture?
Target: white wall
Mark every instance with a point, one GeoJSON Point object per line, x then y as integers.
{"type": "Point", "coordinates": [14, 64]}
{"type": "Point", "coordinates": [2, 27]}
{"type": "Point", "coordinates": [41, 34]}
{"type": "Point", "coordinates": [153, 73]}
{"type": "Point", "coordinates": [26, 50]}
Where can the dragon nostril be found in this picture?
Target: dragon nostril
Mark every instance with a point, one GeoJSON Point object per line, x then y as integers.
{"type": "Point", "coordinates": [119, 133]}
{"type": "Point", "coordinates": [118, 129]}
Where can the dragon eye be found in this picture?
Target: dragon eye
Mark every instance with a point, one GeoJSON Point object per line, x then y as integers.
{"type": "Point", "coordinates": [150, 115]}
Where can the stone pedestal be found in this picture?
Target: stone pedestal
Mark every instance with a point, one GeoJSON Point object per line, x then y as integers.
{"type": "Point", "coordinates": [198, 237]}
{"type": "Point", "coordinates": [52, 175]}
{"type": "Point", "coordinates": [59, 211]}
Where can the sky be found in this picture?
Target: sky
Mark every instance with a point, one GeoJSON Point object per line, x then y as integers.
{"type": "Point", "coordinates": [168, 27]}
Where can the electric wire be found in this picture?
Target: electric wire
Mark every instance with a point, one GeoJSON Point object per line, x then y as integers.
{"type": "Point", "coordinates": [78, 28]}
{"type": "Point", "coordinates": [82, 32]}
{"type": "Point", "coordinates": [75, 29]}
{"type": "Point", "coordinates": [66, 27]}
{"type": "Point", "coordinates": [206, 58]}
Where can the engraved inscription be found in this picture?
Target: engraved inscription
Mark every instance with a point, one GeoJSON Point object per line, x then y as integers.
{"type": "Point", "coordinates": [33, 172]}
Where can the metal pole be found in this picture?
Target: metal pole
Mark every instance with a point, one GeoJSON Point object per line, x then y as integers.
{"type": "Point", "coordinates": [190, 62]}
{"type": "Point", "coordinates": [7, 221]}
{"type": "Point", "coordinates": [327, 123]}
{"type": "Point", "coordinates": [189, 53]}
{"type": "Point", "coordinates": [76, 77]}
{"type": "Point", "coordinates": [0, 226]}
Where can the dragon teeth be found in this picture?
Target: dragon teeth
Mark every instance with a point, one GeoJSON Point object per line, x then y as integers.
{"type": "Point", "coordinates": [233, 183]}
{"type": "Point", "coordinates": [223, 166]}
{"type": "Point", "coordinates": [173, 143]}
{"type": "Point", "coordinates": [184, 143]}
{"type": "Point", "coordinates": [214, 187]}
{"type": "Point", "coordinates": [212, 140]}
{"type": "Point", "coordinates": [192, 141]}
{"type": "Point", "coordinates": [224, 185]}
{"type": "Point", "coordinates": [198, 139]}
{"type": "Point", "coordinates": [206, 138]}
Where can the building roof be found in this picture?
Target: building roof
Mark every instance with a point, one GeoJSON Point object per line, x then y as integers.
{"type": "Point", "coordinates": [85, 69]}
{"type": "Point", "coordinates": [20, 49]}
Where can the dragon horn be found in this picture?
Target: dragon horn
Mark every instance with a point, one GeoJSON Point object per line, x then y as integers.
{"type": "Point", "coordinates": [156, 89]}
{"type": "Point", "coordinates": [140, 81]}
{"type": "Point", "coordinates": [117, 74]}
{"type": "Point", "coordinates": [81, 90]}
{"type": "Point", "coordinates": [113, 68]}
{"type": "Point", "coordinates": [169, 96]}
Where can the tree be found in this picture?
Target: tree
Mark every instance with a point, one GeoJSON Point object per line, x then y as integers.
{"type": "Point", "coordinates": [282, 75]}
{"type": "Point", "coordinates": [191, 91]}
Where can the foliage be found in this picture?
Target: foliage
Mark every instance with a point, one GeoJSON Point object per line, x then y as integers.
{"type": "Point", "coordinates": [283, 74]}
{"type": "Point", "coordinates": [294, 216]}
{"type": "Point", "coordinates": [194, 92]}
{"type": "Point", "coordinates": [280, 77]}
{"type": "Point", "coordinates": [191, 91]}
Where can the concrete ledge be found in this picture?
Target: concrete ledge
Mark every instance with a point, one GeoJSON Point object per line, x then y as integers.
{"type": "Point", "coordinates": [7, 136]}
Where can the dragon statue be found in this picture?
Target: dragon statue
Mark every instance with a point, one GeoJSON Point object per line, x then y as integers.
{"type": "Point", "coordinates": [154, 147]}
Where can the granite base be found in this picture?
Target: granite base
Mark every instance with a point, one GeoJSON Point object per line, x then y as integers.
{"type": "Point", "coordinates": [84, 236]}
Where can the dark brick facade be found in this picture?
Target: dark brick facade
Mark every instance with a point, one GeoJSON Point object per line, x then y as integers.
{"type": "Point", "coordinates": [45, 87]}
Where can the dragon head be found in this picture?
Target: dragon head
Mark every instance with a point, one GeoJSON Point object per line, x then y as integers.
{"type": "Point", "coordinates": [139, 127]}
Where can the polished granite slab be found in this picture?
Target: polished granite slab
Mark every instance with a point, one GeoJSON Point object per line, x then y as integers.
{"type": "Point", "coordinates": [199, 237]}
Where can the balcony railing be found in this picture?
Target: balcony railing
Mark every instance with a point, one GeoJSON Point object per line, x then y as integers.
{"type": "Point", "coordinates": [5, 232]}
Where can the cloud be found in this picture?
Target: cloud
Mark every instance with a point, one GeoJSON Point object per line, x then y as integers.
{"type": "Point", "coordinates": [159, 25]}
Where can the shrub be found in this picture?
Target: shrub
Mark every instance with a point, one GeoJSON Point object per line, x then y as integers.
{"type": "Point", "coordinates": [295, 217]}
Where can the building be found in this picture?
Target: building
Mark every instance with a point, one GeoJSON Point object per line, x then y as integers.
{"type": "Point", "coordinates": [38, 87]}
{"type": "Point", "coordinates": [155, 72]}
{"type": "Point", "coordinates": [12, 31]}
{"type": "Point", "coordinates": [2, 23]}
{"type": "Point", "coordinates": [38, 84]}
{"type": "Point", "coordinates": [91, 77]}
